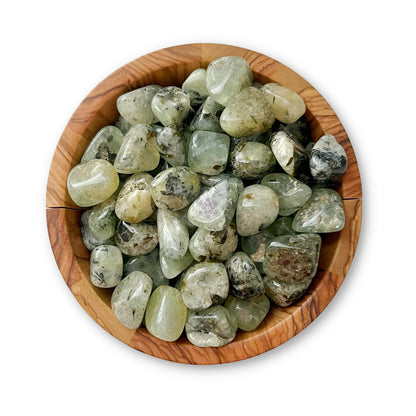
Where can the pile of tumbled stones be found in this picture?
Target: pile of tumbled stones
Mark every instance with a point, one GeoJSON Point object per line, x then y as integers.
{"type": "Point", "coordinates": [206, 202]}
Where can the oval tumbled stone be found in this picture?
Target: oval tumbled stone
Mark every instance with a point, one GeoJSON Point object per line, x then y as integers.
{"type": "Point", "coordinates": [136, 239]}
{"type": "Point", "coordinates": [106, 266]}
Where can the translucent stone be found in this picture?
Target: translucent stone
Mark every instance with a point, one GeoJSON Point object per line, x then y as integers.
{"type": "Point", "coordinates": [213, 327]}
{"type": "Point", "coordinates": [212, 180]}
{"type": "Point", "coordinates": [299, 130]}
{"type": "Point", "coordinates": [172, 143]}
{"type": "Point", "coordinates": [215, 208]}
{"type": "Point", "coordinates": [291, 192]}
{"type": "Point", "coordinates": [196, 86]}
{"type": "Point", "coordinates": [246, 114]}
{"type": "Point", "coordinates": [165, 314]}
{"type": "Point", "coordinates": [136, 239]}
{"type": "Point", "coordinates": [292, 258]}
{"type": "Point", "coordinates": [135, 106]}
{"type": "Point", "coordinates": [175, 188]}
{"type": "Point", "coordinates": [328, 161]}
{"type": "Point", "coordinates": [252, 160]}
{"type": "Point", "coordinates": [102, 220]}
{"type": "Point", "coordinates": [134, 202]}
{"type": "Point", "coordinates": [226, 77]}
{"type": "Point", "coordinates": [208, 152]}
{"type": "Point", "coordinates": [173, 234]}
{"type": "Point", "coordinates": [213, 245]}
{"type": "Point", "coordinates": [245, 279]}
{"type": "Point", "coordinates": [257, 208]}
{"type": "Point", "coordinates": [122, 124]}
{"type": "Point", "coordinates": [208, 116]}
{"type": "Point", "coordinates": [173, 267]}
{"type": "Point", "coordinates": [323, 213]}
{"type": "Point", "coordinates": [204, 285]}
{"type": "Point", "coordinates": [248, 312]}
{"type": "Point", "coordinates": [183, 214]}
{"type": "Point", "coordinates": [88, 238]}
{"type": "Point", "coordinates": [138, 152]}
{"type": "Point", "coordinates": [281, 226]}
{"type": "Point", "coordinates": [106, 266]}
{"type": "Point", "coordinates": [287, 105]}
{"type": "Point", "coordinates": [92, 182]}
{"type": "Point", "coordinates": [284, 293]}
{"type": "Point", "coordinates": [171, 105]}
{"type": "Point", "coordinates": [104, 145]}
{"type": "Point", "coordinates": [255, 245]}
{"type": "Point", "coordinates": [258, 138]}
{"type": "Point", "coordinates": [130, 297]}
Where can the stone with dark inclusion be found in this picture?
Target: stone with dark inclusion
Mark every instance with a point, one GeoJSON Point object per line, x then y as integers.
{"type": "Point", "coordinates": [323, 213]}
{"type": "Point", "coordinates": [106, 266]}
{"type": "Point", "coordinates": [208, 116]}
{"type": "Point", "coordinates": [172, 143]}
{"type": "Point", "coordinates": [88, 238]}
{"type": "Point", "coordinates": [102, 220]}
{"type": "Point", "coordinates": [136, 239]}
{"type": "Point", "coordinates": [299, 130]}
{"type": "Point", "coordinates": [284, 293]}
{"type": "Point", "coordinates": [255, 245]}
{"type": "Point", "coordinates": [292, 258]}
{"type": "Point", "coordinates": [213, 327]}
{"type": "Point", "coordinates": [196, 86]}
{"type": "Point", "coordinates": [259, 138]}
{"type": "Point", "coordinates": [281, 226]}
{"type": "Point", "coordinates": [173, 267]}
{"type": "Point", "coordinates": [104, 145]}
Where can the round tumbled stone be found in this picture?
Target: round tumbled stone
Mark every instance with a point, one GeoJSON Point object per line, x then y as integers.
{"type": "Point", "coordinates": [173, 267]}
{"type": "Point", "coordinates": [196, 86]}
{"type": "Point", "coordinates": [106, 266]}
{"type": "Point", "coordinates": [136, 239]}
{"type": "Point", "coordinates": [172, 143]}
{"type": "Point", "coordinates": [102, 220]}
{"type": "Point", "coordinates": [88, 237]}
{"type": "Point", "coordinates": [284, 293]}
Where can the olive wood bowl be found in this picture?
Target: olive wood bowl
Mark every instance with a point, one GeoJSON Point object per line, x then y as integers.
{"type": "Point", "coordinates": [171, 66]}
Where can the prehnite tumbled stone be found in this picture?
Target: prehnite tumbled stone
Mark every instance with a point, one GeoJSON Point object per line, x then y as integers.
{"type": "Point", "coordinates": [171, 105]}
{"type": "Point", "coordinates": [104, 145]}
{"type": "Point", "coordinates": [102, 220]}
{"type": "Point", "coordinates": [165, 313]}
{"type": "Point", "coordinates": [252, 160]}
{"type": "Point", "coordinates": [245, 279]}
{"type": "Point", "coordinates": [284, 293]}
{"type": "Point", "coordinates": [299, 130]}
{"type": "Point", "coordinates": [246, 114]}
{"type": "Point", "coordinates": [257, 208]}
{"type": "Point", "coordinates": [130, 297]}
{"type": "Point", "coordinates": [138, 152]}
{"type": "Point", "coordinates": [209, 180]}
{"type": "Point", "coordinates": [173, 267]}
{"type": "Point", "coordinates": [213, 327]}
{"type": "Point", "coordinates": [213, 245]}
{"type": "Point", "coordinates": [135, 106]}
{"type": "Point", "coordinates": [281, 226]}
{"type": "Point", "coordinates": [136, 239]}
{"type": "Point", "coordinates": [106, 266]}
{"type": "Point", "coordinates": [214, 209]}
{"type": "Point", "coordinates": [88, 237]}
{"type": "Point", "coordinates": [255, 245]}
{"type": "Point", "coordinates": [92, 182]}
{"type": "Point", "coordinates": [323, 213]}
{"type": "Point", "coordinates": [196, 86]}
{"type": "Point", "coordinates": [291, 192]}
{"type": "Point", "coordinates": [208, 152]}
{"type": "Point", "coordinates": [172, 143]}
{"type": "Point", "coordinates": [292, 258]}
{"type": "Point", "coordinates": [208, 116]}
{"type": "Point", "coordinates": [203, 285]}
{"type": "Point", "coordinates": [134, 202]}
{"type": "Point", "coordinates": [175, 188]}
{"type": "Point", "coordinates": [248, 312]}
{"type": "Point", "coordinates": [287, 105]}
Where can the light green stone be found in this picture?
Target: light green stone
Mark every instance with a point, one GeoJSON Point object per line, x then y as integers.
{"type": "Point", "coordinates": [135, 106]}
{"type": "Point", "coordinates": [204, 285]}
{"type": "Point", "coordinates": [208, 116]}
{"type": "Point", "coordinates": [138, 152]}
{"type": "Point", "coordinates": [248, 312]}
{"type": "Point", "coordinates": [130, 297]}
{"type": "Point", "coordinates": [323, 213]}
{"type": "Point", "coordinates": [196, 86]}
{"type": "Point", "coordinates": [136, 239]}
{"type": "Point", "coordinates": [165, 314]}
{"type": "Point", "coordinates": [226, 77]}
{"type": "Point", "coordinates": [172, 143]}
{"type": "Point", "coordinates": [88, 237]}
{"type": "Point", "coordinates": [281, 226]}
{"type": "Point", "coordinates": [284, 293]}
{"type": "Point", "coordinates": [213, 327]}
{"type": "Point", "coordinates": [102, 220]}
{"type": "Point", "coordinates": [106, 266]}
{"type": "Point", "coordinates": [291, 192]}
{"type": "Point", "coordinates": [246, 114]}
{"type": "Point", "coordinates": [212, 180]}
{"type": "Point", "coordinates": [208, 152]}
{"type": "Point", "coordinates": [92, 182]}
{"type": "Point", "coordinates": [257, 208]}
{"type": "Point", "coordinates": [173, 267]}
{"type": "Point", "coordinates": [104, 145]}
{"type": "Point", "coordinates": [255, 245]}
{"type": "Point", "coordinates": [183, 214]}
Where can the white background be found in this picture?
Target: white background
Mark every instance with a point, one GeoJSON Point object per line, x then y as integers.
{"type": "Point", "coordinates": [357, 358]}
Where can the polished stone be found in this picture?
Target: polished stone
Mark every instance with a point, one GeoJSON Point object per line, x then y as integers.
{"type": "Point", "coordinates": [102, 220]}
{"type": "Point", "coordinates": [196, 86]}
{"type": "Point", "coordinates": [282, 226]}
{"type": "Point", "coordinates": [255, 245]}
{"type": "Point", "coordinates": [212, 180]}
{"type": "Point", "coordinates": [106, 266]}
{"type": "Point", "coordinates": [88, 238]}
{"type": "Point", "coordinates": [208, 116]}
{"type": "Point", "coordinates": [284, 293]}
{"type": "Point", "coordinates": [172, 143]}
{"type": "Point", "coordinates": [136, 239]}
{"type": "Point", "coordinates": [173, 267]}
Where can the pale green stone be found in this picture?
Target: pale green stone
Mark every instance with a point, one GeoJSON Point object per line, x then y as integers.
{"type": "Point", "coordinates": [291, 192]}
{"type": "Point", "coordinates": [173, 267]}
{"type": "Point", "coordinates": [172, 143]}
{"type": "Point", "coordinates": [88, 237]}
{"type": "Point", "coordinates": [287, 105]}
{"type": "Point", "coordinates": [212, 180]}
{"type": "Point", "coordinates": [171, 105]}
{"type": "Point", "coordinates": [215, 208]}
{"type": "Point", "coordinates": [136, 239]}
{"type": "Point", "coordinates": [255, 245]}
{"type": "Point", "coordinates": [213, 327]}
{"type": "Point", "coordinates": [248, 312]}
{"type": "Point", "coordinates": [226, 77]}
{"type": "Point", "coordinates": [323, 213]}
{"type": "Point", "coordinates": [106, 266]}
{"type": "Point", "coordinates": [135, 106]}
{"type": "Point", "coordinates": [138, 152]}
{"type": "Point", "coordinates": [208, 152]}
{"type": "Point", "coordinates": [281, 226]}
{"type": "Point", "coordinates": [196, 86]}
{"type": "Point", "coordinates": [258, 138]}
{"type": "Point", "coordinates": [257, 208]}
{"type": "Point", "coordinates": [183, 214]}
{"type": "Point", "coordinates": [122, 124]}
{"type": "Point", "coordinates": [246, 114]}
{"type": "Point", "coordinates": [104, 145]}
{"type": "Point", "coordinates": [130, 297]}
{"type": "Point", "coordinates": [204, 285]}
{"type": "Point", "coordinates": [284, 293]}
{"type": "Point", "coordinates": [102, 220]}
{"type": "Point", "coordinates": [165, 314]}
{"type": "Point", "coordinates": [208, 116]}
{"type": "Point", "coordinates": [92, 182]}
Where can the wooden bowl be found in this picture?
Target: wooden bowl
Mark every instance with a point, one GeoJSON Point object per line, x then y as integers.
{"type": "Point", "coordinates": [171, 66]}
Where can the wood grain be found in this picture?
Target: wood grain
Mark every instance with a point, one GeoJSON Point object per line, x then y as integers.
{"type": "Point", "coordinates": [171, 66]}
